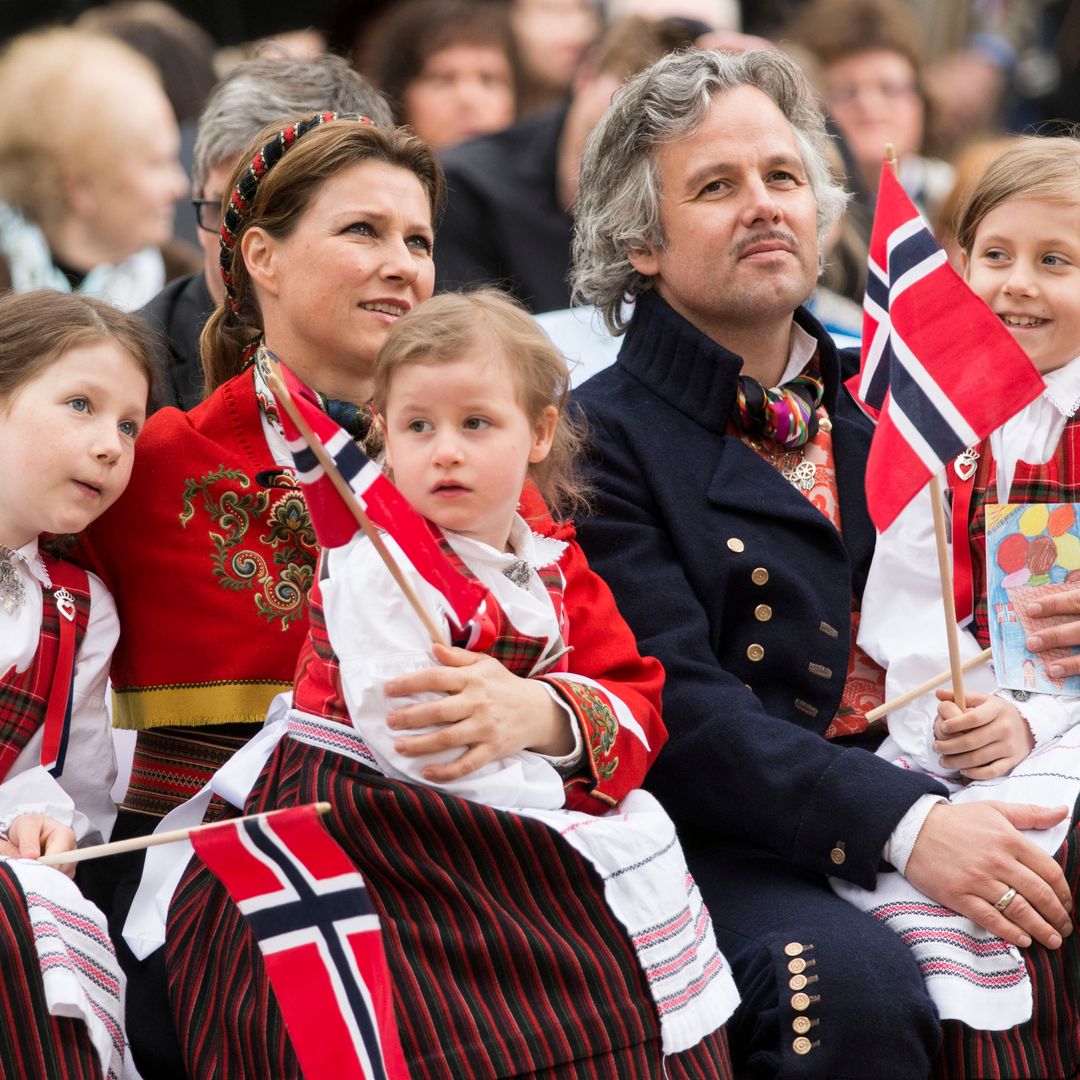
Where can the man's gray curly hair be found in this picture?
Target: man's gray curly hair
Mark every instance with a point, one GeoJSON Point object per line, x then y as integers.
{"type": "Point", "coordinates": [618, 204]}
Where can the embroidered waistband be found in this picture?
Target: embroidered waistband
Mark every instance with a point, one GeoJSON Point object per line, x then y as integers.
{"type": "Point", "coordinates": [330, 736]}
{"type": "Point", "coordinates": [170, 766]}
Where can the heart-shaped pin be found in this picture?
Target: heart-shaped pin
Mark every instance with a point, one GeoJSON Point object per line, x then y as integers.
{"type": "Point", "coordinates": [65, 604]}
{"type": "Point", "coordinates": [966, 464]}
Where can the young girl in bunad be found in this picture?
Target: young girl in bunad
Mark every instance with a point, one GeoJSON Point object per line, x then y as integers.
{"type": "Point", "coordinates": [1020, 1012]}
{"type": "Point", "coordinates": [75, 377]}
{"type": "Point", "coordinates": [471, 397]}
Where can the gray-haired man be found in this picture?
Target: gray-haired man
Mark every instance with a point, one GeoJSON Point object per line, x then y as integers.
{"type": "Point", "coordinates": [731, 525]}
{"type": "Point", "coordinates": [255, 94]}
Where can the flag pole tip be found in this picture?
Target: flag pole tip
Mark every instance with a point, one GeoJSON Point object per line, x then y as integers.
{"type": "Point", "coordinates": [322, 808]}
{"type": "Point", "coordinates": [890, 153]}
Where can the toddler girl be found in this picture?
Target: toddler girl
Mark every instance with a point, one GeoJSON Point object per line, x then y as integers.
{"type": "Point", "coordinates": [471, 400]}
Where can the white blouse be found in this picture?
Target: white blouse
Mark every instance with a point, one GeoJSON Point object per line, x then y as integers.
{"type": "Point", "coordinates": [376, 635]}
{"type": "Point", "coordinates": [80, 797]}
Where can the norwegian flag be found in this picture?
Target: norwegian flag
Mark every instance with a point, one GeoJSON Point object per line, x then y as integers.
{"type": "Point", "coordinates": [939, 370]}
{"type": "Point", "coordinates": [1005, 613]}
{"type": "Point", "coordinates": [319, 936]}
{"type": "Point", "coordinates": [381, 501]}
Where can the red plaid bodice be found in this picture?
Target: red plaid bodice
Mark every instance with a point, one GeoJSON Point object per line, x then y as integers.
{"type": "Point", "coordinates": [24, 695]}
{"type": "Point", "coordinates": [1057, 480]}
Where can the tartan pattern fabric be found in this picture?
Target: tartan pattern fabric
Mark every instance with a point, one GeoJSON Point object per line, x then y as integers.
{"type": "Point", "coordinates": [505, 960]}
{"type": "Point", "coordinates": [1047, 1047]}
{"type": "Point", "coordinates": [1058, 480]}
{"type": "Point", "coordinates": [516, 651]}
{"type": "Point", "coordinates": [171, 765]}
{"type": "Point", "coordinates": [24, 696]}
{"type": "Point", "coordinates": [33, 1043]}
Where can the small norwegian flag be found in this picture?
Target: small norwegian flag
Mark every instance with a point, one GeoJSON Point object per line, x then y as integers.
{"type": "Point", "coordinates": [1005, 613]}
{"type": "Point", "coordinates": [320, 938]}
{"type": "Point", "coordinates": [939, 370]}
{"type": "Point", "coordinates": [381, 501]}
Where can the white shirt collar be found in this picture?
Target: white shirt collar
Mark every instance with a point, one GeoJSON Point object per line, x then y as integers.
{"type": "Point", "coordinates": [30, 557]}
{"type": "Point", "coordinates": [538, 551]}
{"type": "Point", "coordinates": [1063, 388]}
{"type": "Point", "coordinates": [800, 352]}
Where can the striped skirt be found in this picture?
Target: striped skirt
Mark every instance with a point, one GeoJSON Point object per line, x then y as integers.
{"type": "Point", "coordinates": [504, 957]}
{"type": "Point", "coordinates": [34, 1045]}
{"type": "Point", "coordinates": [1047, 1047]}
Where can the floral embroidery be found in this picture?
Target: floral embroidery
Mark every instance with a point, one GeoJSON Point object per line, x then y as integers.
{"type": "Point", "coordinates": [600, 721]}
{"type": "Point", "coordinates": [280, 592]}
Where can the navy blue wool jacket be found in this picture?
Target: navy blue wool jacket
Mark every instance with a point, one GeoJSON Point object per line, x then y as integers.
{"type": "Point", "coordinates": [743, 590]}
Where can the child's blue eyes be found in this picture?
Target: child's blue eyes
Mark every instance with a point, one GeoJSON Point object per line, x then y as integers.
{"type": "Point", "coordinates": [79, 404]}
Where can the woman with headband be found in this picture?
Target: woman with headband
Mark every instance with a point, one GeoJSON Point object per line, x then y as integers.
{"type": "Point", "coordinates": [327, 240]}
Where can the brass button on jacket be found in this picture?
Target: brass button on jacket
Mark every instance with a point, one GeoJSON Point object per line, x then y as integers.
{"type": "Point", "coordinates": [735, 544]}
{"type": "Point", "coordinates": [793, 948]}
{"type": "Point", "coordinates": [797, 966]}
{"type": "Point", "coordinates": [801, 1025]}
{"type": "Point", "coordinates": [800, 1002]}
{"type": "Point", "coordinates": [802, 1045]}
{"type": "Point", "coordinates": [755, 653]}
{"type": "Point", "coordinates": [838, 855]}
{"type": "Point", "coordinates": [759, 576]}
{"type": "Point", "coordinates": [763, 613]}
{"type": "Point", "coordinates": [798, 982]}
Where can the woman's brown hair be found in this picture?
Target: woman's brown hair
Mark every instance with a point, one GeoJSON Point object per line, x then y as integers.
{"type": "Point", "coordinates": [37, 328]}
{"type": "Point", "coordinates": [279, 202]}
{"type": "Point", "coordinates": [1036, 167]}
{"type": "Point", "coordinates": [450, 326]}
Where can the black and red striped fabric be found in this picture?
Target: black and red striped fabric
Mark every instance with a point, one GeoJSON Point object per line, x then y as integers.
{"type": "Point", "coordinates": [33, 1043]}
{"type": "Point", "coordinates": [1047, 1047]}
{"type": "Point", "coordinates": [504, 957]}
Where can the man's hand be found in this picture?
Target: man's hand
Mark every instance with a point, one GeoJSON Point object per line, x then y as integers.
{"type": "Point", "coordinates": [984, 742]}
{"type": "Point", "coordinates": [1067, 634]}
{"type": "Point", "coordinates": [969, 855]}
{"type": "Point", "coordinates": [31, 835]}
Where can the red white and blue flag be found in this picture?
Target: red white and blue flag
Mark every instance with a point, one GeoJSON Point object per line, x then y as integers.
{"type": "Point", "coordinates": [320, 938]}
{"type": "Point", "coordinates": [939, 370]}
{"type": "Point", "coordinates": [387, 508]}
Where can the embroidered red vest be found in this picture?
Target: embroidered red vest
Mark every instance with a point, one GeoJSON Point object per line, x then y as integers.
{"type": "Point", "coordinates": [24, 696]}
{"type": "Point", "coordinates": [1058, 480]}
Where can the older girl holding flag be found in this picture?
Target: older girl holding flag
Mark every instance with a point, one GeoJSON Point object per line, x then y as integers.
{"type": "Point", "coordinates": [1020, 235]}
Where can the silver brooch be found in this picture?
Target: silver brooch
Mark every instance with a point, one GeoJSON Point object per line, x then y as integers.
{"type": "Point", "coordinates": [519, 572]}
{"type": "Point", "coordinates": [65, 603]}
{"type": "Point", "coordinates": [12, 589]}
{"type": "Point", "coordinates": [802, 476]}
{"type": "Point", "coordinates": [966, 463]}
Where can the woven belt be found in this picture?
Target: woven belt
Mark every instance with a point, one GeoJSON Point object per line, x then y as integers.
{"type": "Point", "coordinates": [171, 765]}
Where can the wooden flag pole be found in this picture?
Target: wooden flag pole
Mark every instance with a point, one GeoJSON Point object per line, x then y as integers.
{"type": "Point", "coordinates": [940, 679]}
{"type": "Point", "coordinates": [137, 843]}
{"type": "Point", "coordinates": [281, 392]}
{"type": "Point", "coordinates": [952, 631]}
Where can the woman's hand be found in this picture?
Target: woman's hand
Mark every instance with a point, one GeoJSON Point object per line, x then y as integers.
{"type": "Point", "coordinates": [483, 708]}
{"type": "Point", "coordinates": [31, 835]}
{"type": "Point", "coordinates": [984, 742]}
{"type": "Point", "coordinates": [1057, 634]}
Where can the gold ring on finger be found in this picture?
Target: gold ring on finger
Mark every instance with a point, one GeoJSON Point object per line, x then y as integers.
{"type": "Point", "coordinates": [1006, 900]}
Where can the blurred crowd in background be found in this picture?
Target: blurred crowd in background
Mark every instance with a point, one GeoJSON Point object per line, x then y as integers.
{"type": "Point", "coordinates": [103, 189]}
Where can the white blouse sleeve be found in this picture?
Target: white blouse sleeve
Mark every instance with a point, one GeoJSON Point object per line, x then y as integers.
{"type": "Point", "coordinates": [376, 636]}
{"type": "Point", "coordinates": [80, 797]}
{"type": "Point", "coordinates": [902, 627]}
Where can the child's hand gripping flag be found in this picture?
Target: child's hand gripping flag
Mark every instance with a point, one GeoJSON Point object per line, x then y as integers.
{"type": "Point", "coordinates": [939, 370]}
{"type": "Point", "coordinates": [335, 524]}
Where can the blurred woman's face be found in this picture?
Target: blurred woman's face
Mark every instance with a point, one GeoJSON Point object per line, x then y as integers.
{"type": "Point", "coordinates": [874, 99]}
{"type": "Point", "coordinates": [130, 193]}
{"type": "Point", "coordinates": [462, 91]}
{"type": "Point", "coordinates": [552, 37]}
{"type": "Point", "coordinates": [358, 259]}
